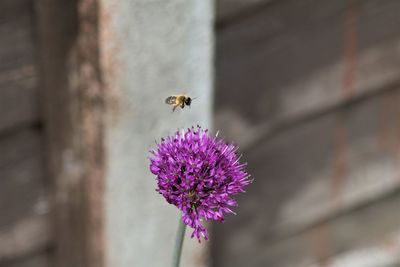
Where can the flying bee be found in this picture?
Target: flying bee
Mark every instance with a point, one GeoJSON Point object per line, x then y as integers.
{"type": "Point", "coordinates": [178, 101]}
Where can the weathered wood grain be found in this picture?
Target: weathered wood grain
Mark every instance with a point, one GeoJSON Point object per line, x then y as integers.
{"type": "Point", "coordinates": [283, 14]}
{"type": "Point", "coordinates": [384, 253]}
{"type": "Point", "coordinates": [25, 237]}
{"type": "Point", "coordinates": [24, 225]}
{"type": "Point", "coordinates": [18, 81]}
{"type": "Point", "coordinates": [297, 58]}
{"type": "Point", "coordinates": [18, 99]}
{"type": "Point", "coordinates": [36, 260]}
{"type": "Point", "coordinates": [72, 91]}
{"type": "Point", "coordinates": [313, 171]}
{"type": "Point", "coordinates": [373, 226]}
{"type": "Point", "coordinates": [19, 145]}
{"type": "Point", "coordinates": [12, 8]}
{"type": "Point", "coordinates": [229, 9]}
{"type": "Point", "coordinates": [22, 190]}
{"type": "Point", "coordinates": [17, 42]}
{"type": "Point", "coordinates": [22, 184]}
{"type": "Point", "coordinates": [310, 89]}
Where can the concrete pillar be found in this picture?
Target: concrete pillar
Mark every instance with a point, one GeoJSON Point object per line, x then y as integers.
{"type": "Point", "coordinates": [149, 49]}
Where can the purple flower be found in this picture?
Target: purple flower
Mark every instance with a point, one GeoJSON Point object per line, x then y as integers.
{"type": "Point", "coordinates": [198, 173]}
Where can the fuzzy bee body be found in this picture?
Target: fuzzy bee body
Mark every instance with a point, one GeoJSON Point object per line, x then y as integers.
{"type": "Point", "coordinates": [178, 101]}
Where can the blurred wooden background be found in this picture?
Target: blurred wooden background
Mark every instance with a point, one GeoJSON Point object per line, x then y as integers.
{"type": "Point", "coordinates": [311, 92]}
{"type": "Point", "coordinates": [24, 228]}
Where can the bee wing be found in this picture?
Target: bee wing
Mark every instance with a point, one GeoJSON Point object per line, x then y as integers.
{"type": "Point", "coordinates": [170, 100]}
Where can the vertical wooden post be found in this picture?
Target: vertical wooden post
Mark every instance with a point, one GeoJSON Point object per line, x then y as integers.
{"type": "Point", "coordinates": [72, 99]}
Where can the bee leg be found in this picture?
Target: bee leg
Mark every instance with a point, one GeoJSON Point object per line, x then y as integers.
{"type": "Point", "coordinates": [183, 105]}
{"type": "Point", "coordinates": [175, 106]}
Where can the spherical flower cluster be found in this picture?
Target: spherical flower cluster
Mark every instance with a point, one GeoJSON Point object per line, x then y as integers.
{"type": "Point", "coordinates": [198, 173]}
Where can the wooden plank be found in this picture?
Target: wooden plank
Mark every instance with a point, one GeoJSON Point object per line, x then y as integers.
{"type": "Point", "coordinates": [280, 13]}
{"type": "Point", "coordinates": [18, 98]}
{"type": "Point", "coordinates": [18, 95]}
{"type": "Point", "coordinates": [371, 226]}
{"type": "Point", "coordinates": [24, 223]}
{"type": "Point", "coordinates": [281, 17]}
{"type": "Point", "coordinates": [22, 185]}
{"type": "Point", "coordinates": [376, 224]}
{"type": "Point", "coordinates": [290, 63]}
{"type": "Point", "coordinates": [17, 42]}
{"type": "Point", "coordinates": [229, 9]}
{"type": "Point", "coordinates": [10, 9]}
{"type": "Point", "coordinates": [37, 260]}
{"type": "Point", "coordinates": [22, 190]}
{"type": "Point", "coordinates": [384, 253]}
{"type": "Point", "coordinates": [317, 169]}
{"type": "Point", "coordinates": [22, 144]}
{"type": "Point", "coordinates": [25, 237]}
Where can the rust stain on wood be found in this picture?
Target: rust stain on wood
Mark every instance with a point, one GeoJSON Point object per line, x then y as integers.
{"type": "Point", "coordinates": [92, 97]}
{"type": "Point", "coordinates": [321, 244]}
{"type": "Point", "coordinates": [396, 120]}
{"type": "Point", "coordinates": [389, 126]}
{"type": "Point", "coordinates": [390, 246]}
{"type": "Point", "coordinates": [350, 48]}
{"type": "Point", "coordinates": [110, 60]}
{"type": "Point", "coordinates": [339, 167]}
{"type": "Point", "coordinates": [386, 108]}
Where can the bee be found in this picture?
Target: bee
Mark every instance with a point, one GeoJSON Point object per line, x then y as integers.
{"type": "Point", "coordinates": [178, 101]}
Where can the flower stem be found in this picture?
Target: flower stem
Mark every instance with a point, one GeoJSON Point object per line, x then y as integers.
{"type": "Point", "coordinates": [180, 234]}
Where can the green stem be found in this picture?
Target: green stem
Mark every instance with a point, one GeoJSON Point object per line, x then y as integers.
{"type": "Point", "coordinates": [180, 234]}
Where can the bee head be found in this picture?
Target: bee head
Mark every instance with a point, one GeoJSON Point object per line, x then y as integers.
{"type": "Point", "coordinates": [188, 101]}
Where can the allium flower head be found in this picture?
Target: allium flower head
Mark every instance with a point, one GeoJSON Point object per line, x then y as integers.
{"type": "Point", "coordinates": [199, 174]}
